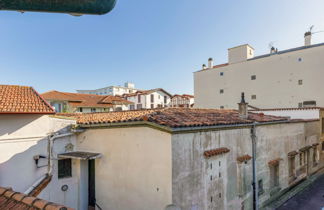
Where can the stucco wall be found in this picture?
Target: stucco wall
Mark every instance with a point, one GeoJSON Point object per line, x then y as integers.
{"type": "Point", "coordinates": [135, 169]}
{"type": "Point", "coordinates": [281, 72]}
{"type": "Point", "coordinates": [198, 185]}
{"type": "Point", "coordinates": [21, 138]}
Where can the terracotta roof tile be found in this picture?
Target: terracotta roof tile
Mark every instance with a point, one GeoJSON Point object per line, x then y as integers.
{"type": "Point", "coordinates": [244, 158]}
{"type": "Point", "coordinates": [274, 162]}
{"type": "Point", "coordinates": [176, 117]}
{"type": "Point", "coordinates": [85, 100]}
{"type": "Point", "coordinates": [16, 99]}
{"type": "Point", "coordinates": [14, 200]}
{"type": "Point", "coordinates": [214, 152]}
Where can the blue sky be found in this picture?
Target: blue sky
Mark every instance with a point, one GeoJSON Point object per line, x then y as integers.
{"type": "Point", "coordinates": [149, 42]}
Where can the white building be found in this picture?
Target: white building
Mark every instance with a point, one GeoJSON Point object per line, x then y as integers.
{"type": "Point", "coordinates": [27, 165]}
{"type": "Point", "coordinates": [112, 90]}
{"type": "Point", "coordinates": [148, 99]}
{"type": "Point", "coordinates": [183, 100]}
{"type": "Point", "coordinates": [288, 78]}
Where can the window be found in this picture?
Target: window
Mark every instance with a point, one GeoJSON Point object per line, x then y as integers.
{"type": "Point", "coordinates": [93, 109]}
{"type": "Point", "coordinates": [222, 107]}
{"type": "Point", "coordinates": [314, 156]}
{"type": "Point", "coordinates": [274, 176]}
{"type": "Point", "coordinates": [132, 107]}
{"type": "Point", "coordinates": [64, 168]}
{"type": "Point", "coordinates": [165, 99]}
{"type": "Point", "coordinates": [300, 105]}
{"type": "Point", "coordinates": [139, 98]}
{"type": "Point", "coordinates": [152, 106]}
{"type": "Point", "coordinates": [323, 146]}
{"type": "Point", "coordinates": [139, 106]}
{"type": "Point", "coordinates": [300, 82]}
{"type": "Point", "coordinates": [323, 125]}
{"type": "Point", "coordinates": [291, 165]}
{"type": "Point", "coordinates": [152, 98]}
{"type": "Point", "coordinates": [253, 77]}
{"type": "Point", "coordinates": [253, 97]}
{"type": "Point", "coordinates": [221, 73]}
{"type": "Point", "coordinates": [260, 187]}
{"type": "Point", "coordinates": [80, 109]}
{"type": "Point", "coordinates": [221, 91]}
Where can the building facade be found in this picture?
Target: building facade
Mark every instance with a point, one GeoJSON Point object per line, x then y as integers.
{"type": "Point", "coordinates": [27, 126]}
{"type": "Point", "coordinates": [288, 78]}
{"type": "Point", "coordinates": [184, 100]}
{"type": "Point", "coordinates": [84, 103]}
{"type": "Point", "coordinates": [196, 158]}
{"type": "Point", "coordinates": [112, 90]}
{"type": "Point", "coordinates": [148, 99]}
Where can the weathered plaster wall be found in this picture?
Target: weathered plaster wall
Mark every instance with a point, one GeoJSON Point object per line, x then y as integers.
{"type": "Point", "coordinates": [193, 187]}
{"type": "Point", "coordinates": [135, 169]}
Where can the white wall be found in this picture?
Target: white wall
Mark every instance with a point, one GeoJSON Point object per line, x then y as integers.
{"type": "Point", "coordinates": [21, 138]}
{"type": "Point", "coordinates": [146, 100]}
{"type": "Point", "coordinates": [294, 114]}
{"type": "Point", "coordinates": [276, 84]}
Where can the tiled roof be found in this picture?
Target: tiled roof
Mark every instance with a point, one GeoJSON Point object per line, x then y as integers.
{"type": "Point", "coordinates": [145, 92]}
{"type": "Point", "coordinates": [14, 200]}
{"type": "Point", "coordinates": [176, 117]}
{"type": "Point", "coordinates": [38, 189]}
{"type": "Point", "coordinates": [16, 99]}
{"type": "Point", "coordinates": [214, 152]}
{"type": "Point", "coordinates": [274, 162]}
{"type": "Point", "coordinates": [85, 100]}
{"type": "Point", "coordinates": [244, 158]}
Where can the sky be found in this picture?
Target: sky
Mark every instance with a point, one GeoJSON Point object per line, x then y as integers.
{"type": "Point", "coordinates": [154, 44]}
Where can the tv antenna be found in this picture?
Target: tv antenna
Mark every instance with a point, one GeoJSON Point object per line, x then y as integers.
{"type": "Point", "coordinates": [311, 30]}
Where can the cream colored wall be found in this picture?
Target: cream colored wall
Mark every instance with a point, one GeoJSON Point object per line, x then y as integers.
{"type": "Point", "coordinates": [276, 83]}
{"type": "Point", "coordinates": [135, 170]}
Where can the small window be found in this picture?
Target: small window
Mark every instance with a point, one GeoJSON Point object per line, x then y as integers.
{"type": "Point", "coordinates": [80, 109]}
{"type": "Point", "coordinates": [64, 168]}
{"type": "Point", "coordinates": [93, 109]}
{"type": "Point", "coordinates": [300, 82]}
{"type": "Point", "coordinates": [291, 166]}
{"type": "Point", "coordinates": [132, 107]}
{"type": "Point", "coordinates": [152, 106]}
{"type": "Point", "coordinates": [139, 106]}
{"type": "Point", "coordinates": [253, 77]}
{"type": "Point", "coordinates": [300, 105]}
{"type": "Point", "coordinates": [253, 97]}
{"type": "Point", "coordinates": [165, 99]}
{"type": "Point", "coordinates": [323, 146]}
{"type": "Point", "coordinates": [139, 98]}
{"type": "Point", "coordinates": [222, 107]}
{"type": "Point", "coordinates": [221, 91]}
{"type": "Point", "coordinates": [323, 125]}
{"type": "Point", "coordinates": [260, 187]}
{"type": "Point", "coordinates": [221, 74]}
{"type": "Point", "coordinates": [220, 174]}
{"type": "Point", "coordinates": [152, 98]}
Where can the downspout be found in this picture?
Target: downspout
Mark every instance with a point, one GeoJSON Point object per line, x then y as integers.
{"type": "Point", "coordinates": [50, 143]}
{"type": "Point", "coordinates": [254, 181]}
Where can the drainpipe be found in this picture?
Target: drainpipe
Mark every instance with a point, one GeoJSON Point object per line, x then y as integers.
{"type": "Point", "coordinates": [50, 144]}
{"type": "Point", "coordinates": [254, 181]}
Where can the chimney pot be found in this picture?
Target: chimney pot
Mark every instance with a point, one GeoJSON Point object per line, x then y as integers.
{"type": "Point", "coordinates": [308, 38]}
{"type": "Point", "coordinates": [210, 63]}
{"type": "Point", "coordinates": [204, 66]}
{"type": "Point", "coordinates": [243, 108]}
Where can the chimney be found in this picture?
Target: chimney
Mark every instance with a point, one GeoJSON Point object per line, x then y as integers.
{"type": "Point", "coordinates": [204, 67]}
{"type": "Point", "coordinates": [243, 108]}
{"type": "Point", "coordinates": [210, 63]}
{"type": "Point", "coordinates": [272, 50]}
{"type": "Point", "coordinates": [308, 38]}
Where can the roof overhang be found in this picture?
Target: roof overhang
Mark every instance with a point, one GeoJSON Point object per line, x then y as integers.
{"type": "Point", "coordinates": [81, 155]}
